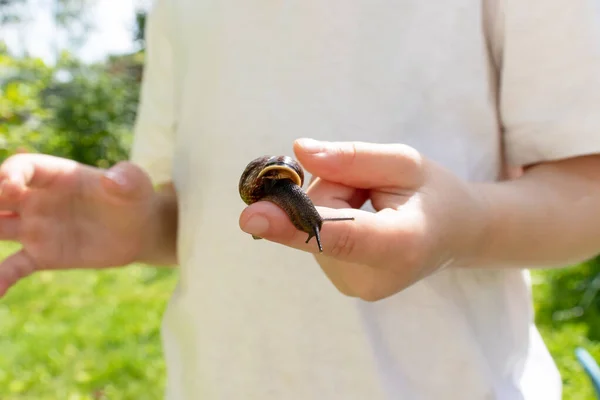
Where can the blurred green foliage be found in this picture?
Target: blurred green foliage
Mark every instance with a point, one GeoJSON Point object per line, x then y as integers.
{"type": "Point", "coordinates": [567, 308]}
{"type": "Point", "coordinates": [571, 297]}
{"type": "Point", "coordinates": [84, 335]}
{"type": "Point", "coordinates": [95, 335]}
{"type": "Point", "coordinates": [73, 110]}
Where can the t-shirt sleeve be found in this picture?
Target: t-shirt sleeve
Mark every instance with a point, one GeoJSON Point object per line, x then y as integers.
{"type": "Point", "coordinates": [550, 79]}
{"type": "Point", "coordinates": [154, 128]}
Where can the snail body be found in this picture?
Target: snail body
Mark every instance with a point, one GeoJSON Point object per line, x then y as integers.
{"type": "Point", "coordinates": [279, 179]}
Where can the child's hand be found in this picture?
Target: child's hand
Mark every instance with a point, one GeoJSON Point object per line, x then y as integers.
{"type": "Point", "coordinates": [67, 215]}
{"type": "Point", "coordinates": [426, 219]}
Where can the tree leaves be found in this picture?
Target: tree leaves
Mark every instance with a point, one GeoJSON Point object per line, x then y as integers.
{"type": "Point", "coordinates": [73, 110]}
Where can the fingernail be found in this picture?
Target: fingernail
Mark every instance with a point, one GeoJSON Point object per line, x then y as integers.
{"type": "Point", "coordinates": [256, 225]}
{"type": "Point", "coordinates": [312, 146]}
{"type": "Point", "coordinates": [114, 176]}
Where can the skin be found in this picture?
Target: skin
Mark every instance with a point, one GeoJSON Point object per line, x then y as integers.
{"type": "Point", "coordinates": [66, 215]}
{"type": "Point", "coordinates": [69, 216]}
{"type": "Point", "coordinates": [427, 218]}
{"type": "Point", "coordinates": [282, 186]}
{"type": "Point", "coordinates": [300, 209]}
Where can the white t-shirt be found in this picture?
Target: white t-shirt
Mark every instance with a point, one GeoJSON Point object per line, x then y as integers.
{"type": "Point", "coordinates": [468, 83]}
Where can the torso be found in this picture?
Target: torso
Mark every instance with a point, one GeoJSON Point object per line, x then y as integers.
{"type": "Point", "coordinates": [256, 320]}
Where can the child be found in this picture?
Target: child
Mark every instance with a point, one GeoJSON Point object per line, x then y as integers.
{"type": "Point", "coordinates": [417, 108]}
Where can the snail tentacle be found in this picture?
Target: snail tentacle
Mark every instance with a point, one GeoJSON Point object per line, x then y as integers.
{"type": "Point", "coordinates": [279, 179]}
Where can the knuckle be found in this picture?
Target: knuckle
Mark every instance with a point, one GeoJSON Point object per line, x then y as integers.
{"type": "Point", "coordinates": [347, 153]}
{"type": "Point", "coordinates": [412, 165]}
{"type": "Point", "coordinates": [351, 153]}
{"type": "Point", "coordinates": [344, 243]}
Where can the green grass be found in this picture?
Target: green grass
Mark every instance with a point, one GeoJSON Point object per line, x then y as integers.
{"type": "Point", "coordinates": [84, 335]}
{"type": "Point", "coordinates": [558, 292]}
{"type": "Point", "coordinates": [88, 335]}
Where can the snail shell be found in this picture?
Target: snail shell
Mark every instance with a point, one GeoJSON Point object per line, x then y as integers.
{"type": "Point", "coordinates": [279, 179]}
{"type": "Point", "coordinates": [263, 172]}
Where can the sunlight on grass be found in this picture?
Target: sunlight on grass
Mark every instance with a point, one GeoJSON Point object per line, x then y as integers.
{"type": "Point", "coordinates": [557, 291]}
{"type": "Point", "coordinates": [84, 335]}
{"type": "Point", "coordinates": [88, 335]}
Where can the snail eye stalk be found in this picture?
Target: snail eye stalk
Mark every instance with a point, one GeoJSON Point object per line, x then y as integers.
{"type": "Point", "coordinates": [279, 179]}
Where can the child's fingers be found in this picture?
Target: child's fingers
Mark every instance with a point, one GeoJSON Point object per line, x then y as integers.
{"type": "Point", "coordinates": [364, 240]}
{"type": "Point", "coordinates": [14, 268]}
{"type": "Point", "coordinates": [33, 170]}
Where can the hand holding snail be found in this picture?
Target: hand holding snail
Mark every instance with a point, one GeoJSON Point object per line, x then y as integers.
{"type": "Point", "coordinates": [425, 217]}
{"type": "Point", "coordinates": [279, 179]}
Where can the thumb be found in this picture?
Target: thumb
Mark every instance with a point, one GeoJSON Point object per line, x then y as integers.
{"type": "Point", "coordinates": [362, 165]}
{"type": "Point", "coordinates": [126, 179]}
{"type": "Point", "coordinates": [367, 239]}
{"type": "Point", "coordinates": [14, 268]}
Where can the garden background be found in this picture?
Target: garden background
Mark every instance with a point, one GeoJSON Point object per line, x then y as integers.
{"type": "Point", "coordinates": [96, 335]}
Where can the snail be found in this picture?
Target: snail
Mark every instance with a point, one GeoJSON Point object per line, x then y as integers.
{"type": "Point", "coordinates": [279, 179]}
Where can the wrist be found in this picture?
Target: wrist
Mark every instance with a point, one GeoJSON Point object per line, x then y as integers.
{"type": "Point", "coordinates": [477, 228]}
{"type": "Point", "coordinates": [158, 234]}
{"type": "Point", "coordinates": [546, 218]}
